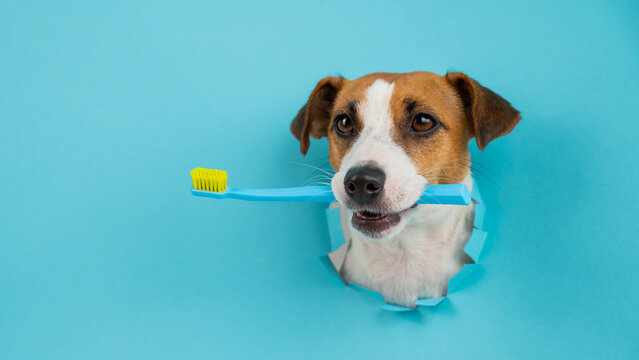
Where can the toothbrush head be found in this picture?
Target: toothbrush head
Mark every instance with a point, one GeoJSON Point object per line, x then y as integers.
{"type": "Point", "coordinates": [209, 179]}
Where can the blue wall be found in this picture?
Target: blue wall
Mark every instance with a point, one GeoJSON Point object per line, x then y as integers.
{"type": "Point", "coordinates": [105, 107]}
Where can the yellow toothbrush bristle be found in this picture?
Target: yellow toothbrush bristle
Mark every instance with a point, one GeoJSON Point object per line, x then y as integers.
{"type": "Point", "coordinates": [209, 179]}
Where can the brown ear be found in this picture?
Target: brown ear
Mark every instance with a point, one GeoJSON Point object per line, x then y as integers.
{"type": "Point", "coordinates": [491, 115]}
{"type": "Point", "coordinates": [314, 117]}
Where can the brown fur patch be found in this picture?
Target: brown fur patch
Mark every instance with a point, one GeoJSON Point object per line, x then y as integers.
{"type": "Point", "coordinates": [443, 156]}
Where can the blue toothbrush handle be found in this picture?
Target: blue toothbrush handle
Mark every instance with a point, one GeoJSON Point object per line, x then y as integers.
{"type": "Point", "coordinates": [445, 194]}
{"type": "Point", "coordinates": [449, 194]}
{"type": "Point", "coordinates": [302, 194]}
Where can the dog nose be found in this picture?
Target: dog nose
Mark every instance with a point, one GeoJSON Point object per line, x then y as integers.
{"type": "Point", "coordinates": [364, 184]}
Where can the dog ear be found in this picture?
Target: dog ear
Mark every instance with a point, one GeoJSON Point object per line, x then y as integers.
{"type": "Point", "coordinates": [490, 115]}
{"type": "Point", "coordinates": [315, 116]}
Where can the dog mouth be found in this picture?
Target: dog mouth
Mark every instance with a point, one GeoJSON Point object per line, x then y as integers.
{"type": "Point", "coordinates": [373, 223]}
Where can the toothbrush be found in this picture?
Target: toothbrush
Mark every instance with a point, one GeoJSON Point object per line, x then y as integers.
{"type": "Point", "coordinates": [212, 184]}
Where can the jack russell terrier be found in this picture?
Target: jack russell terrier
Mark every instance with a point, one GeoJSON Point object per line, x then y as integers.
{"type": "Point", "coordinates": [390, 136]}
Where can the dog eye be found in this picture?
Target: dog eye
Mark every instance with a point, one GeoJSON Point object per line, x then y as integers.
{"type": "Point", "coordinates": [344, 124]}
{"type": "Point", "coordinates": [423, 123]}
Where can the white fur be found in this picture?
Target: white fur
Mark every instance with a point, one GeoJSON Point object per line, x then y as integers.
{"type": "Point", "coordinates": [416, 258]}
{"type": "Point", "coordinates": [418, 261]}
{"type": "Point", "coordinates": [403, 184]}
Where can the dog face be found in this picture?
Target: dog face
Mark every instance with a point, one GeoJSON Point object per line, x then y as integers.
{"type": "Point", "coordinates": [390, 135]}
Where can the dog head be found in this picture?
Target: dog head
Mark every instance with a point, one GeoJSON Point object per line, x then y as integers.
{"type": "Point", "coordinates": [390, 135]}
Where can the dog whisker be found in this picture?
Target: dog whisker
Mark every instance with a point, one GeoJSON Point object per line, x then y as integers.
{"type": "Point", "coordinates": [462, 165]}
{"type": "Point", "coordinates": [318, 183]}
{"type": "Point", "coordinates": [318, 177]}
{"type": "Point", "coordinates": [445, 178]}
{"type": "Point", "coordinates": [441, 168]}
{"type": "Point", "coordinates": [438, 166]}
{"type": "Point", "coordinates": [474, 163]}
{"type": "Point", "coordinates": [323, 175]}
{"type": "Point", "coordinates": [314, 167]}
{"type": "Point", "coordinates": [474, 170]}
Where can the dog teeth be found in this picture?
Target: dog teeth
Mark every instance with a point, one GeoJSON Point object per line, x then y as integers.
{"type": "Point", "coordinates": [369, 215]}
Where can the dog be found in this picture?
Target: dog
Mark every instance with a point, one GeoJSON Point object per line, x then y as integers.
{"type": "Point", "coordinates": [390, 135]}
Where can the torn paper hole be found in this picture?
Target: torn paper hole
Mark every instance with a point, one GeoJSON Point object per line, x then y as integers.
{"type": "Point", "coordinates": [473, 248]}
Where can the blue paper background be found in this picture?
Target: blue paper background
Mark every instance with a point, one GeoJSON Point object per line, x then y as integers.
{"type": "Point", "coordinates": [104, 107]}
